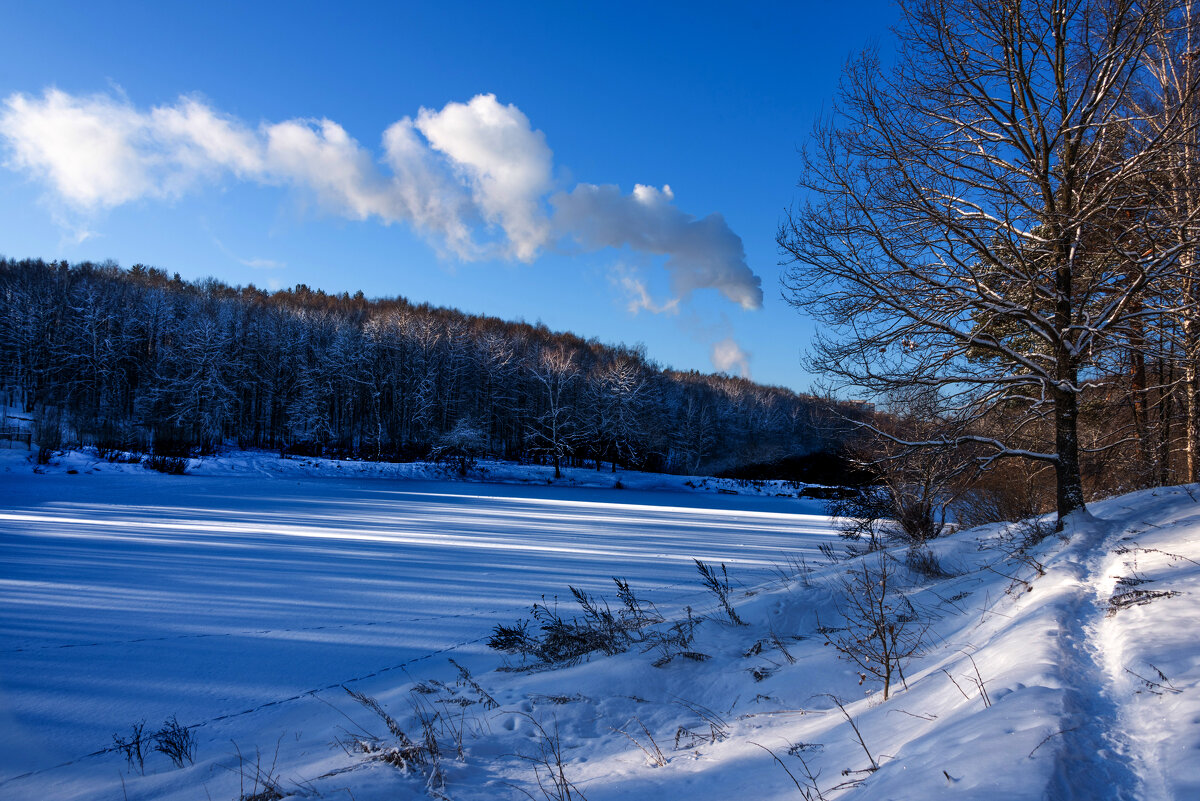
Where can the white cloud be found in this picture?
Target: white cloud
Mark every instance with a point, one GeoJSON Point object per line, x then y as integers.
{"type": "Point", "coordinates": [701, 253]}
{"type": "Point", "coordinates": [255, 263]}
{"type": "Point", "coordinates": [321, 157]}
{"type": "Point", "coordinates": [94, 151]}
{"type": "Point", "coordinates": [728, 357]}
{"type": "Point", "coordinates": [457, 175]}
{"type": "Point", "coordinates": [203, 141]}
{"type": "Point", "coordinates": [100, 152]}
{"type": "Point", "coordinates": [429, 195]}
{"type": "Point", "coordinates": [506, 162]}
{"type": "Point", "coordinates": [639, 295]}
{"type": "Point", "coordinates": [264, 264]}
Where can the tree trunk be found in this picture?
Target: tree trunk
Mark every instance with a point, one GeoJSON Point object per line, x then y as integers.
{"type": "Point", "coordinates": [1069, 483]}
{"type": "Point", "coordinates": [1141, 415]}
{"type": "Point", "coordinates": [1191, 349]}
{"type": "Point", "coordinates": [1166, 379]}
{"type": "Point", "coordinates": [1191, 410]}
{"type": "Point", "coordinates": [1138, 397]}
{"type": "Point", "coordinates": [1069, 491]}
{"type": "Point", "coordinates": [1189, 389]}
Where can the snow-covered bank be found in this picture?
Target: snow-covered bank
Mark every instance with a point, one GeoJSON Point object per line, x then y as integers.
{"type": "Point", "coordinates": [269, 465]}
{"type": "Point", "coordinates": [243, 603]}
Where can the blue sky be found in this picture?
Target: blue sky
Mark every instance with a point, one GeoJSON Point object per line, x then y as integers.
{"type": "Point", "coordinates": [190, 137]}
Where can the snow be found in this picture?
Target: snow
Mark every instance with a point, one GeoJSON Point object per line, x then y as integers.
{"type": "Point", "coordinates": [243, 597]}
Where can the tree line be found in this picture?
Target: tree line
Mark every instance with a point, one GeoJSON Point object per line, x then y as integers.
{"type": "Point", "coordinates": [136, 360]}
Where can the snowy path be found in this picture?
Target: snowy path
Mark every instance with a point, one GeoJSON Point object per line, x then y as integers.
{"type": "Point", "coordinates": [1121, 739]}
{"type": "Point", "coordinates": [1147, 640]}
{"type": "Point", "coordinates": [1094, 756]}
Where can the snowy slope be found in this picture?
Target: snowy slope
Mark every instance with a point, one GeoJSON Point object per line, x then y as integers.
{"type": "Point", "coordinates": [241, 599]}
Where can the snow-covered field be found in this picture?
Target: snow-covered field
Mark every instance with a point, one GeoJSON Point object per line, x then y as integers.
{"type": "Point", "coordinates": [244, 598]}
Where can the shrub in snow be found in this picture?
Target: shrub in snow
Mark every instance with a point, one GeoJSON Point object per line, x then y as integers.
{"type": "Point", "coordinates": [420, 754]}
{"type": "Point", "coordinates": [560, 641]}
{"type": "Point", "coordinates": [882, 630]}
{"type": "Point", "coordinates": [176, 742]}
{"type": "Point", "coordinates": [403, 752]}
{"type": "Point", "coordinates": [922, 561]}
{"type": "Point", "coordinates": [262, 780]}
{"type": "Point", "coordinates": [166, 464]}
{"type": "Point", "coordinates": [548, 770]}
{"type": "Point", "coordinates": [116, 442]}
{"type": "Point", "coordinates": [461, 446]}
{"type": "Point", "coordinates": [47, 426]}
{"type": "Point", "coordinates": [719, 585]}
{"type": "Point", "coordinates": [916, 470]}
{"type": "Point", "coordinates": [1006, 493]}
{"type": "Point", "coordinates": [133, 747]}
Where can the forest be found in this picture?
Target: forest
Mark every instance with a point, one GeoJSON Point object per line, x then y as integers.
{"type": "Point", "coordinates": [138, 361]}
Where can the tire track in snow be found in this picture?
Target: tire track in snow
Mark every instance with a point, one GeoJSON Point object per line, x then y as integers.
{"type": "Point", "coordinates": [1093, 759]}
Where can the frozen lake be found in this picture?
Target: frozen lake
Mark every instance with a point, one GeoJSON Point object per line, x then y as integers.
{"type": "Point", "coordinates": [228, 600]}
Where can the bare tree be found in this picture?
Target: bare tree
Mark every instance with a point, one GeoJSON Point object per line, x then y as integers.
{"type": "Point", "coordinates": [956, 229]}
{"type": "Point", "coordinates": [555, 372]}
{"type": "Point", "coordinates": [497, 380]}
{"type": "Point", "coordinates": [462, 446]}
{"type": "Point", "coordinates": [619, 392]}
{"type": "Point", "coordinates": [882, 629]}
{"type": "Point", "coordinates": [914, 487]}
{"type": "Point", "coordinates": [194, 398]}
